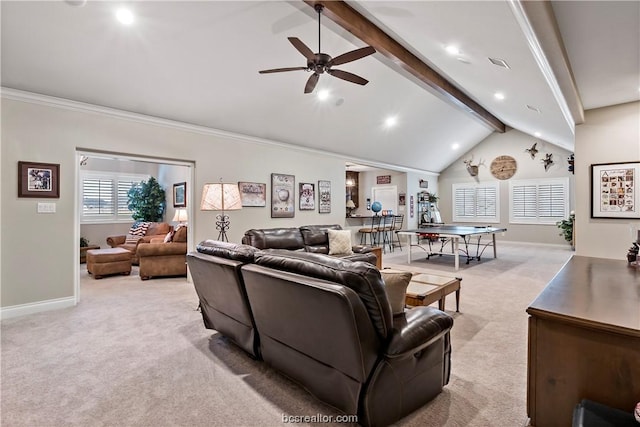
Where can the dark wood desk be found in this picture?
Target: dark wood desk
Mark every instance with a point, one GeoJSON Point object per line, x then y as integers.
{"type": "Point", "coordinates": [584, 340]}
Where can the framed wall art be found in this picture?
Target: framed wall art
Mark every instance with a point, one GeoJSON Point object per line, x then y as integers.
{"type": "Point", "coordinates": [180, 195]}
{"type": "Point", "coordinates": [253, 194]}
{"type": "Point", "coordinates": [614, 190]}
{"type": "Point", "coordinates": [283, 196]}
{"type": "Point", "coordinates": [40, 180]}
{"type": "Point", "coordinates": [307, 196]}
{"type": "Point", "coordinates": [324, 196]}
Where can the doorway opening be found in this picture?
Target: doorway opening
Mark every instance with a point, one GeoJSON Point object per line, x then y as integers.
{"type": "Point", "coordinates": [102, 183]}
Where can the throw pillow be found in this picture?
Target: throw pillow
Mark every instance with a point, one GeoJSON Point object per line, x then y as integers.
{"type": "Point", "coordinates": [396, 283]}
{"type": "Point", "coordinates": [169, 237]}
{"type": "Point", "coordinates": [131, 239]}
{"type": "Point", "coordinates": [339, 242]}
{"type": "Point", "coordinates": [139, 228]}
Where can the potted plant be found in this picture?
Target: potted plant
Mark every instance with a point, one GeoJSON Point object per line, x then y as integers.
{"type": "Point", "coordinates": [432, 197]}
{"type": "Point", "coordinates": [147, 201]}
{"type": "Point", "coordinates": [566, 228]}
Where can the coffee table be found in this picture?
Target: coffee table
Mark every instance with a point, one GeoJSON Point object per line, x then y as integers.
{"type": "Point", "coordinates": [425, 289]}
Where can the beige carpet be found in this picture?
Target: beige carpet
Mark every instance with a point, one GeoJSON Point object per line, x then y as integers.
{"type": "Point", "coordinates": [135, 353]}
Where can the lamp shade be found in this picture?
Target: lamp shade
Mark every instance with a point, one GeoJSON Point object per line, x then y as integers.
{"type": "Point", "coordinates": [350, 204]}
{"type": "Point", "coordinates": [221, 196]}
{"type": "Point", "coordinates": [180, 216]}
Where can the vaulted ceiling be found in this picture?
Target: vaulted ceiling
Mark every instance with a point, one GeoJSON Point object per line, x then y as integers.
{"type": "Point", "coordinates": [198, 62]}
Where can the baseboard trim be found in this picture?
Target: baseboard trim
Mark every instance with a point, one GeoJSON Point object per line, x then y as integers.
{"type": "Point", "coordinates": [36, 307]}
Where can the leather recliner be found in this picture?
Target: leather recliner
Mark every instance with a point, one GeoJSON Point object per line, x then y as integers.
{"type": "Point", "coordinates": [215, 270]}
{"type": "Point", "coordinates": [326, 323]}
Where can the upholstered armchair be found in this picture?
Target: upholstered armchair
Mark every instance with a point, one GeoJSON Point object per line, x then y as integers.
{"type": "Point", "coordinates": [139, 233]}
{"type": "Point", "coordinates": [164, 255]}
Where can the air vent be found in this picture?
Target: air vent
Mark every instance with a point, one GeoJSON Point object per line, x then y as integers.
{"type": "Point", "coordinates": [532, 108]}
{"type": "Point", "coordinates": [499, 62]}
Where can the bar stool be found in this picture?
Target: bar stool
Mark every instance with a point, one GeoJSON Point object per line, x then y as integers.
{"type": "Point", "coordinates": [398, 220]}
{"type": "Point", "coordinates": [371, 231]}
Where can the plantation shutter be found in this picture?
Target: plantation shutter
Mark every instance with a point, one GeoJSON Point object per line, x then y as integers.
{"type": "Point", "coordinates": [476, 203]}
{"type": "Point", "coordinates": [97, 197]}
{"type": "Point", "coordinates": [544, 201]}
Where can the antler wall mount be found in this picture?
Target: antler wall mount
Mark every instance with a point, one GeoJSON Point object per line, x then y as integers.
{"type": "Point", "coordinates": [320, 63]}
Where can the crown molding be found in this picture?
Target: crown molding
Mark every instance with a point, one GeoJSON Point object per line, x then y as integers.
{"type": "Point", "coordinates": [67, 104]}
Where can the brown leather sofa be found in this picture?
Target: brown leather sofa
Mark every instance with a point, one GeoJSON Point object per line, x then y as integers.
{"type": "Point", "coordinates": [131, 243]}
{"type": "Point", "coordinates": [327, 324]}
{"type": "Point", "coordinates": [158, 259]}
{"type": "Point", "coordinates": [307, 238]}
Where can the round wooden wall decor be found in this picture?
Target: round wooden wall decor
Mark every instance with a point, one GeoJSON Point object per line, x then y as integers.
{"type": "Point", "coordinates": [503, 167]}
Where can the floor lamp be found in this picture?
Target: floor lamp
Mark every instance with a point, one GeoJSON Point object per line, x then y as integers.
{"type": "Point", "coordinates": [221, 197]}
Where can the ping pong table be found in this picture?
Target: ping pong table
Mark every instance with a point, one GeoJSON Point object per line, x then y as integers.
{"type": "Point", "coordinates": [428, 239]}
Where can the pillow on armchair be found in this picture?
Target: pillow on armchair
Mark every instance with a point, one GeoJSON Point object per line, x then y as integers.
{"type": "Point", "coordinates": [396, 283]}
{"type": "Point", "coordinates": [340, 242]}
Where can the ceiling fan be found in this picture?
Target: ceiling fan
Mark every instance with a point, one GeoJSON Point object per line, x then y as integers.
{"type": "Point", "coordinates": [320, 62]}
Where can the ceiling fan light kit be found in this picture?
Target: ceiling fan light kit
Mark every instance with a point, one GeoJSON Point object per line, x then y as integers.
{"type": "Point", "coordinates": [320, 62]}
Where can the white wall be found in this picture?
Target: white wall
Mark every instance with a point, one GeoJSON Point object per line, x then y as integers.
{"type": "Point", "coordinates": [512, 143]}
{"type": "Point", "coordinates": [48, 243]}
{"type": "Point", "coordinates": [610, 134]}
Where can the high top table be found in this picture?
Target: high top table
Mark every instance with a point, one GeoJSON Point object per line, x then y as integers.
{"type": "Point", "coordinates": [470, 236]}
{"type": "Point", "coordinates": [584, 340]}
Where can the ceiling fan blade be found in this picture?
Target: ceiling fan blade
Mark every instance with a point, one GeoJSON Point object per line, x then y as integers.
{"type": "Point", "coordinates": [279, 70]}
{"type": "Point", "coordinates": [311, 83]}
{"type": "Point", "coordinates": [350, 77]}
{"type": "Point", "coordinates": [302, 48]}
{"type": "Point", "coordinates": [352, 56]}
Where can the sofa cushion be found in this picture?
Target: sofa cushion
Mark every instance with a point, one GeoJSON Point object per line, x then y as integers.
{"type": "Point", "coordinates": [396, 283]}
{"type": "Point", "coordinates": [180, 234]}
{"type": "Point", "coordinates": [242, 253]}
{"type": "Point", "coordinates": [316, 235]}
{"type": "Point", "coordinates": [156, 228]}
{"type": "Point", "coordinates": [274, 238]}
{"type": "Point", "coordinates": [339, 242]}
{"type": "Point", "coordinates": [361, 277]}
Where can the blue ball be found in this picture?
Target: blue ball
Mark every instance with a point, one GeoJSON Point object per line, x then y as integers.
{"type": "Point", "coordinates": [376, 207]}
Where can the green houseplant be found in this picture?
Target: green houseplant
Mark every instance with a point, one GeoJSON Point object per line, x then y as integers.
{"type": "Point", "coordinates": [566, 228]}
{"type": "Point", "coordinates": [147, 201]}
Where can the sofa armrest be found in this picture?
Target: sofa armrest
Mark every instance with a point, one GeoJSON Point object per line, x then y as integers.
{"type": "Point", "coordinates": [361, 249]}
{"type": "Point", "coordinates": [160, 249]}
{"type": "Point", "coordinates": [417, 329]}
{"type": "Point", "coordinates": [114, 241]}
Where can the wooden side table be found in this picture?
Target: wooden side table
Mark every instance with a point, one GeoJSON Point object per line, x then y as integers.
{"type": "Point", "coordinates": [377, 251]}
{"type": "Point", "coordinates": [425, 289]}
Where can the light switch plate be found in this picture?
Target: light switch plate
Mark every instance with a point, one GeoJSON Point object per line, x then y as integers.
{"type": "Point", "coordinates": [46, 207]}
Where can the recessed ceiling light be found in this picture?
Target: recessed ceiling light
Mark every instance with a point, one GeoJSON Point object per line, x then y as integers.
{"type": "Point", "coordinates": [452, 50]}
{"type": "Point", "coordinates": [323, 94]}
{"type": "Point", "coordinates": [391, 121]}
{"type": "Point", "coordinates": [538, 134]}
{"type": "Point", "coordinates": [455, 146]}
{"type": "Point", "coordinates": [124, 16]}
{"type": "Point", "coordinates": [498, 95]}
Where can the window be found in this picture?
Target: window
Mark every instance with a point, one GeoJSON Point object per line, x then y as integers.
{"type": "Point", "coordinates": [476, 202]}
{"type": "Point", "coordinates": [104, 196]}
{"type": "Point", "coordinates": [540, 201]}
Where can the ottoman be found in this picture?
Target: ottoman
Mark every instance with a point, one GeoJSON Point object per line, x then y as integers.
{"type": "Point", "coordinates": [101, 262]}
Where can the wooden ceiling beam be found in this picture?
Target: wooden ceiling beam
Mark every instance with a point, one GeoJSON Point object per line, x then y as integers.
{"type": "Point", "coordinates": [354, 22]}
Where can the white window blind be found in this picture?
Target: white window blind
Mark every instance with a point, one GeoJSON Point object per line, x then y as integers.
{"type": "Point", "coordinates": [104, 196]}
{"type": "Point", "coordinates": [543, 201]}
{"type": "Point", "coordinates": [476, 202]}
